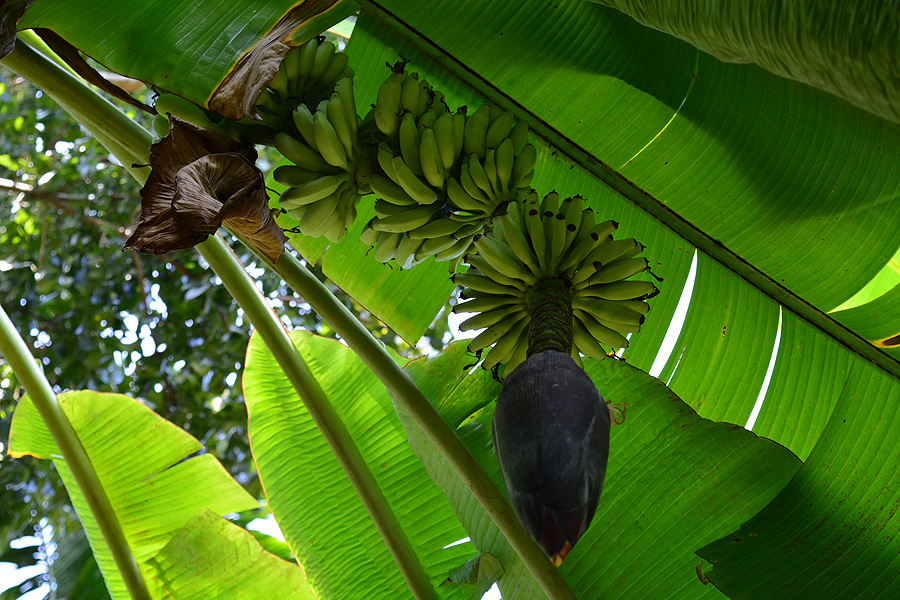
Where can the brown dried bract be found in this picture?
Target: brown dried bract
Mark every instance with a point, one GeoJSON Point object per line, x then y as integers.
{"type": "Point", "coordinates": [200, 181]}
{"type": "Point", "coordinates": [236, 96]}
{"type": "Point", "coordinates": [10, 12]}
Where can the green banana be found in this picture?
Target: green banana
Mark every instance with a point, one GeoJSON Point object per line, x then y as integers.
{"type": "Point", "coordinates": [557, 240]}
{"type": "Point", "coordinates": [294, 176]}
{"type": "Point", "coordinates": [427, 119]}
{"type": "Point", "coordinates": [460, 198]}
{"type": "Point", "coordinates": [502, 258]}
{"type": "Point", "coordinates": [523, 168]}
{"type": "Point", "coordinates": [636, 305]}
{"type": "Point", "coordinates": [300, 154]}
{"type": "Point", "coordinates": [443, 135]}
{"type": "Point", "coordinates": [344, 89]}
{"type": "Point", "coordinates": [472, 189]}
{"type": "Point", "coordinates": [160, 125]}
{"type": "Point", "coordinates": [337, 116]}
{"type": "Point", "coordinates": [409, 95]}
{"type": "Point", "coordinates": [613, 250]}
{"type": "Point", "coordinates": [408, 219]}
{"type": "Point", "coordinates": [316, 216]}
{"type": "Point", "coordinates": [385, 160]}
{"type": "Point", "coordinates": [307, 58]}
{"type": "Point", "coordinates": [314, 190]}
{"type": "Point", "coordinates": [518, 243]}
{"type": "Point", "coordinates": [327, 140]}
{"type": "Point", "coordinates": [479, 262]}
{"type": "Point", "coordinates": [535, 228]}
{"type": "Point", "coordinates": [436, 228]}
{"type": "Point", "coordinates": [430, 155]}
{"type": "Point", "coordinates": [291, 65]}
{"type": "Point", "coordinates": [505, 347]}
{"type": "Point", "coordinates": [455, 251]}
{"type": "Point", "coordinates": [476, 170]}
{"type": "Point", "coordinates": [619, 270]}
{"type": "Point", "coordinates": [433, 245]}
{"type": "Point", "coordinates": [405, 255]}
{"type": "Point", "coordinates": [475, 131]}
{"type": "Point", "coordinates": [384, 209]}
{"type": "Point", "coordinates": [504, 160]}
{"type": "Point", "coordinates": [324, 55]}
{"type": "Point", "coordinates": [489, 318]}
{"type": "Point", "coordinates": [601, 333]}
{"type": "Point", "coordinates": [585, 342]}
{"type": "Point", "coordinates": [605, 310]}
{"type": "Point", "coordinates": [369, 236]}
{"type": "Point", "coordinates": [183, 109]}
{"type": "Point", "coordinates": [622, 290]}
{"type": "Point", "coordinates": [386, 246]}
{"type": "Point", "coordinates": [303, 121]}
{"type": "Point", "coordinates": [498, 130]}
{"type": "Point", "coordinates": [409, 143]}
{"type": "Point", "coordinates": [583, 273]}
{"type": "Point", "coordinates": [334, 70]}
{"type": "Point", "coordinates": [279, 83]}
{"type": "Point", "coordinates": [459, 132]}
{"type": "Point", "coordinates": [413, 186]}
{"type": "Point", "coordinates": [487, 303]}
{"type": "Point", "coordinates": [619, 327]}
{"type": "Point", "coordinates": [519, 136]}
{"type": "Point", "coordinates": [494, 333]}
{"type": "Point", "coordinates": [580, 251]}
{"type": "Point", "coordinates": [387, 105]}
{"type": "Point", "coordinates": [490, 169]}
{"type": "Point", "coordinates": [481, 283]}
{"type": "Point", "coordinates": [387, 190]}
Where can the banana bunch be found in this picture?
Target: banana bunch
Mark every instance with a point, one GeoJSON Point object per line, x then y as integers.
{"type": "Point", "coordinates": [418, 151]}
{"type": "Point", "coordinates": [308, 74]}
{"type": "Point", "coordinates": [539, 245]}
{"type": "Point", "coordinates": [322, 191]}
{"type": "Point", "coordinates": [498, 162]}
{"type": "Point", "coordinates": [422, 186]}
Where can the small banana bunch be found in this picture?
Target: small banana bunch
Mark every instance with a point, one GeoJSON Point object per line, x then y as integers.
{"type": "Point", "coordinates": [422, 158]}
{"type": "Point", "coordinates": [307, 74]}
{"type": "Point", "coordinates": [322, 191]}
{"type": "Point", "coordinates": [551, 259]}
{"type": "Point", "coordinates": [498, 162]}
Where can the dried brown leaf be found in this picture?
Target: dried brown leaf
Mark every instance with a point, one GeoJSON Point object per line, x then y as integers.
{"type": "Point", "coordinates": [236, 96]}
{"type": "Point", "coordinates": [198, 182]}
{"type": "Point", "coordinates": [10, 12]}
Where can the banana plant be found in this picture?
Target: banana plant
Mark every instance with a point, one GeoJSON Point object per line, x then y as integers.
{"type": "Point", "coordinates": [766, 206]}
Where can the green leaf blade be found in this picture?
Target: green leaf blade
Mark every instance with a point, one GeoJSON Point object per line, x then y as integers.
{"type": "Point", "coordinates": [153, 494]}
{"type": "Point", "coordinates": [315, 505]}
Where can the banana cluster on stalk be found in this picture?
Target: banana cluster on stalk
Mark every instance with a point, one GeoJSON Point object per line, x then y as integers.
{"type": "Point", "coordinates": [307, 74]}
{"type": "Point", "coordinates": [498, 162]}
{"type": "Point", "coordinates": [421, 156]}
{"type": "Point", "coordinates": [541, 246]}
{"type": "Point", "coordinates": [322, 191]}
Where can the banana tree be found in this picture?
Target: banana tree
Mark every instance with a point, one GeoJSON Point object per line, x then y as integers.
{"type": "Point", "coordinates": [766, 205]}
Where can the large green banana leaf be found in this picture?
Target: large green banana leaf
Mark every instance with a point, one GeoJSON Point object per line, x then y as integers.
{"type": "Point", "coordinates": [165, 497]}
{"type": "Point", "coordinates": [311, 498]}
{"type": "Point", "coordinates": [790, 196]}
{"type": "Point", "coordinates": [847, 48]}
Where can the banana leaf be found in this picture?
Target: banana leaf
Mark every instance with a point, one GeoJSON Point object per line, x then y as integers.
{"type": "Point", "coordinates": [156, 479]}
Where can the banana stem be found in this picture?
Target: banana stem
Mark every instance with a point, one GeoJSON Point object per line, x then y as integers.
{"type": "Point", "coordinates": [241, 287]}
{"type": "Point", "coordinates": [550, 310]}
{"type": "Point", "coordinates": [16, 353]}
{"type": "Point", "coordinates": [423, 413]}
{"type": "Point", "coordinates": [129, 141]}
